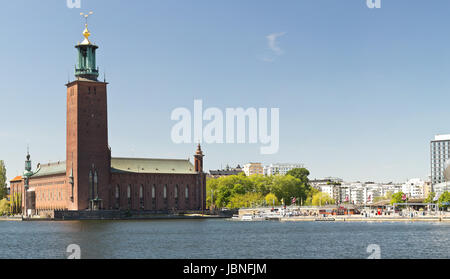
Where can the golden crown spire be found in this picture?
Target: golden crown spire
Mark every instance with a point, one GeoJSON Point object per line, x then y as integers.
{"type": "Point", "coordinates": [86, 32]}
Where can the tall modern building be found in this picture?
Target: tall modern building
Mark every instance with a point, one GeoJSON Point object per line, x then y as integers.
{"type": "Point", "coordinates": [439, 149]}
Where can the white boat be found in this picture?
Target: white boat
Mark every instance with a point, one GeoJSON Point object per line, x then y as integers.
{"type": "Point", "coordinates": [247, 217]}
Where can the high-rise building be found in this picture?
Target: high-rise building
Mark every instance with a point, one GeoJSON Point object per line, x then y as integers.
{"type": "Point", "coordinates": [439, 150]}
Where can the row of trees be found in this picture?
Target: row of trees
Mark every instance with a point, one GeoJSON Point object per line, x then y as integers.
{"type": "Point", "coordinates": [443, 201]}
{"type": "Point", "coordinates": [237, 191]}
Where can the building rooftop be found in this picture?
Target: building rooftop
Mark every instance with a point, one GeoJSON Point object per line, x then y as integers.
{"type": "Point", "coordinates": [50, 169]}
{"type": "Point", "coordinates": [442, 137]}
{"type": "Point", "coordinates": [126, 165]}
{"type": "Point", "coordinates": [141, 165]}
{"type": "Point", "coordinates": [16, 179]}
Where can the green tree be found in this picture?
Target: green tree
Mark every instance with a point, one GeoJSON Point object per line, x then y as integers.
{"type": "Point", "coordinates": [301, 174]}
{"type": "Point", "coordinates": [4, 207]}
{"type": "Point", "coordinates": [397, 198]}
{"type": "Point", "coordinates": [250, 199]}
{"type": "Point", "coordinates": [310, 195]}
{"type": "Point", "coordinates": [271, 199]}
{"type": "Point", "coordinates": [322, 198]}
{"type": "Point", "coordinates": [287, 187]}
{"type": "Point", "coordinates": [388, 196]}
{"type": "Point", "coordinates": [430, 198]}
{"type": "Point", "coordinates": [261, 184]}
{"type": "Point", "coordinates": [444, 200]}
{"type": "Point", "coordinates": [240, 190]}
{"type": "Point", "coordinates": [3, 189]}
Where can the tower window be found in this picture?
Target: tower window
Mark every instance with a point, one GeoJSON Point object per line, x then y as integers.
{"type": "Point", "coordinates": [129, 196]}
{"type": "Point", "coordinates": [117, 192]}
{"type": "Point", "coordinates": [95, 185]}
{"type": "Point", "coordinates": [141, 196]}
{"type": "Point", "coordinates": [91, 185]}
{"type": "Point", "coordinates": [117, 196]}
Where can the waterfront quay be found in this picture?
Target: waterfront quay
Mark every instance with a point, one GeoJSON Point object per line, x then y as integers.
{"type": "Point", "coordinates": [113, 215]}
{"type": "Point", "coordinates": [349, 213]}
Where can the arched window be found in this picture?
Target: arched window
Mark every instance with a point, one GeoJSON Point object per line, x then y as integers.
{"type": "Point", "coordinates": [176, 191]}
{"type": "Point", "coordinates": [165, 192]}
{"type": "Point", "coordinates": [95, 185]}
{"type": "Point", "coordinates": [187, 192]}
{"type": "Point", "coordinates": [153, 192]}
{"type": "Point", "coordinates": [141, 196]}
{"type": "Point", "coordinates": [117, 192]}
{"type": "Point", "coordinates": [129, 196]}
{"type": "Point", "coordinates": [91, 187]}
{"type": "Point", "coordinates": [117, 195]}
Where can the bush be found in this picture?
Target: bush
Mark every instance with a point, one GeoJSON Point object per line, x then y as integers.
{"type": "Point", "coordinates": [4, 207]}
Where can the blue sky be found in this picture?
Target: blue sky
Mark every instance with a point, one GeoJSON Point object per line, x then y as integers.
{"type": "Point", "coordinates": [361, 91]}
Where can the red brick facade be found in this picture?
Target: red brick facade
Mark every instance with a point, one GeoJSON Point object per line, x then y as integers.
{"type": "Point", "coordinates": [87, 143]}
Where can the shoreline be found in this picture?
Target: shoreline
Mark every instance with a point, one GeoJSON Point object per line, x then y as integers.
{"type": "Point", "coordinates": [281, 219]}
{"type": "Point", "coordinates": [366, 219]}
{"type": "Point", "coordinates": [143, 218]}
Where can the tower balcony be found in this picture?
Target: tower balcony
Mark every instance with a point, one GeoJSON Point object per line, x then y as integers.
{"type": "Point", "coordinates": [87, 73]}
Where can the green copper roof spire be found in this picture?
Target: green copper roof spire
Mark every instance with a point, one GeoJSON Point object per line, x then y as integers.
{"type": "Point", "coordinates": [86, 67]}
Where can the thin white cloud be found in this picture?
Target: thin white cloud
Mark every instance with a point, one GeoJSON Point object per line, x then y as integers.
{"type": "Point", "coordinates": [275, 49]}
{"type": "Point", "coordinates": [268, 59]}
{"type": "Point", "coordinates": [273, 44]}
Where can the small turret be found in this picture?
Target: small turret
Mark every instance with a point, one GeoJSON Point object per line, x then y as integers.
{"type": "Point", "coordinates": [199, 159]}
{"type": "Point", "coordinates": [27, 172]}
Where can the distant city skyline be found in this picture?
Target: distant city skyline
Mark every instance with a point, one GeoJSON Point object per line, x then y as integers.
{"type": "Point", "coordinates": [361, 91]}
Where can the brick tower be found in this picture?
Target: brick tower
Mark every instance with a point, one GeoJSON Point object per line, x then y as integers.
{"type": "Point", "coordinates": [198, 159]}
{"type": "Point", "coordinates": [88, 155]}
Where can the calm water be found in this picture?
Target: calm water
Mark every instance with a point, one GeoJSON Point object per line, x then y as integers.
{"type": "Point", "coordinates": [223, 239]}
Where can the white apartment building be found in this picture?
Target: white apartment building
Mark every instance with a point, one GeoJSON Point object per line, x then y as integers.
{"type": "Point", "coordinates": [281, 168]}
{"type": "Point", "coordinates": [327, 188]}
{"type": "Point", "coordinates": [390, 188]}
{"type": "Point", "coordinates": [361, 193]}
{"type": "Point", "coordinates": [366, 193]}
{"type": "Point", "coordinates": [440, 188]}
{"type": "Point", "coordinates": [414, 188]}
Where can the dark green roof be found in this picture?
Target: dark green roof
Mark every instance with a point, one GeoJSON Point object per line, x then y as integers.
{"type": "Point", "coordinates": [51, 169]}
{"type": "Point", "coordinates": [138, 165]}
{"type": "Point", "coordinates": [128, 165]}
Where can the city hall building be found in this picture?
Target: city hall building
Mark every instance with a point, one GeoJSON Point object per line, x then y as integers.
{"type": "Point", "coordinates": [90, 179]}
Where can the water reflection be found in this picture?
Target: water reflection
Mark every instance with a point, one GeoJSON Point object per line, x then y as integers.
{"type": "Point", "coordinates": [222, 239]}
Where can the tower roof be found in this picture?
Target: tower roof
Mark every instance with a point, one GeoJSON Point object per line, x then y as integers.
{"type": "Point", "coordinates": [86, 32]}
{"type": "Point", "coordinates": [86, 67]}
